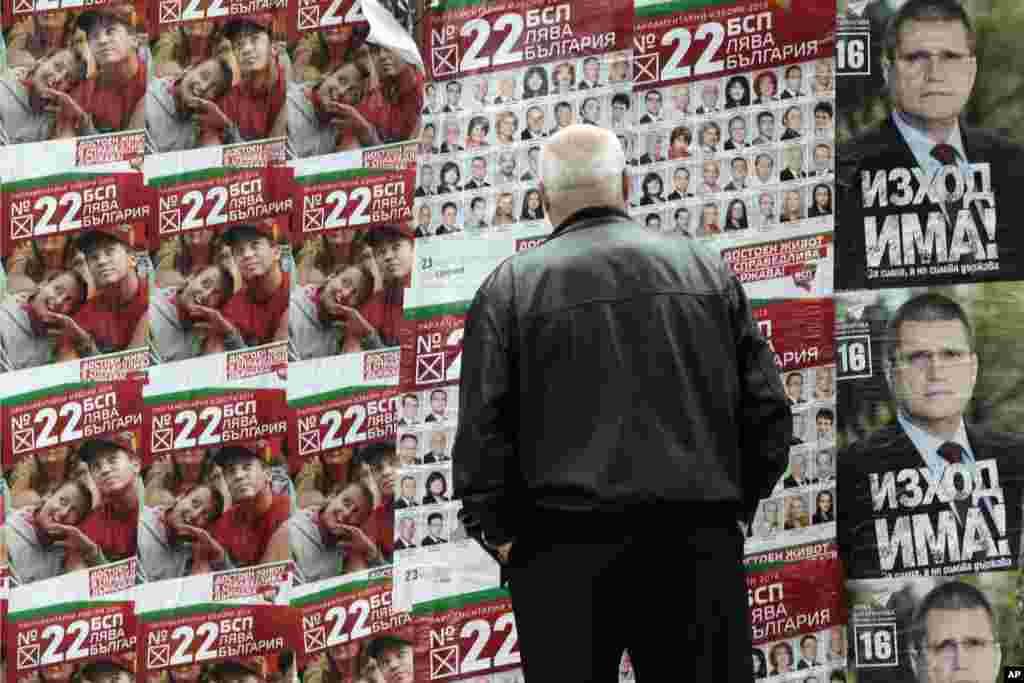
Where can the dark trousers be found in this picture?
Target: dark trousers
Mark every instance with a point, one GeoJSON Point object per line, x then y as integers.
{"type": "Point", "coordinates": [586, 586]}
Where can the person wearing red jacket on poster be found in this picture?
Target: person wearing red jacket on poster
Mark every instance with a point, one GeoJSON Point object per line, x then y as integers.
{"type": "Point", "coordinates": [242, 534]}
{"type": "Point", "coordinates": [394, 106]}
{"type": "Point", "coordinates": [384, 465]}
{"type": "Point", "coordinates": [115, 319]}
{"type": "Point", "coordinates": [110, 532]}
{"type": "Point", "coordinates": [393, 249]}
{"type": "Point", "coordinates": [254, 109]}
{"type": "Point", "coordinates": [255, 314]}
{"type": "Point", "coordinates": [106, 104]}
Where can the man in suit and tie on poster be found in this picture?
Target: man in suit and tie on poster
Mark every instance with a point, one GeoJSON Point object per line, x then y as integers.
{"type": "Point", "coordinates": [929, 66]}
{"type": "Point", "coordinates": [435, 526]}
{"type": "Point", "coordinates": [931, 366]}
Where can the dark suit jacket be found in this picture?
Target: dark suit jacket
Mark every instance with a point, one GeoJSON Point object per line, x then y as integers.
{"type": "Point", "coordinates": [675, 195]}
{"type": "Point", "coordinates": [789, 175]}
{"type": "Point", "coordinates": [427, 540]}
{"type": "Point", "coordinates": [530, 135]}
{"type": "Point", "coordinates": [430, 458]}
{"type": "Point", "coordinates": [420, 192]}
{"type": "Point", "coordinates": [891, 450]}
{"type": "Point", "coordinates": [647, 118]}
{"type": "Point", "coordinates": [400, 504]}
{"type": "Point", "coordinates": [789, 134]}
{"type": "Point", "coordinates": [648, 159]}
{"type": "Point", "coordinates": [884, 148]}
{"type": "Point", "coordinates": [400, 544]}
{"type": "Point", "coordinates": [730, 145]}
{"type": "Point", "coordinates": [475, 184]}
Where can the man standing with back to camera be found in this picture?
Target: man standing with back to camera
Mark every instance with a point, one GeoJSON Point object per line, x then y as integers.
{"type": "Point", "coordinates": [573, 478]}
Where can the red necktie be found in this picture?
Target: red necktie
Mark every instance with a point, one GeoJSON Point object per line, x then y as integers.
{"type": "Point", "coordinates": [947, 155]}
{"type": "Point", "coordinates": [951, 452]}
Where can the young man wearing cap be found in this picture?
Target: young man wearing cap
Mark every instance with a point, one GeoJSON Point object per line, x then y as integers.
{"type": "Point", "coordinates": [329, 540]}
{"type": "Point", "coordinates": [172, 106]}
{"type": "Point", "coordinates": [245, 530]}
{"type": "Point", "coordinates": [394, 658]}
{"type": "Point", "coordinates": [117, 669]}
{"type": "Point", "coordinates": [394, 106]}
{"type": "Point", "coordinates": [256, 105]}
{"type": "Point", "coordinates": [114, 319]}
{"type": "Point", "coordinates": [110, 532]}
{"type": "Point", "coordinates": [384, 465]}
{"type": "Point", "coordinates": [325, 320]}
{"type": "Point", "coordinates": [33, 537]}
{"type": "Point", "coordinates": [164, 532]}
{"type": "Point", "coordinates": [178, 328]}
{"type": "Point", "coordinates": [393, 249]}
{"type": "Point", "coordinates": [323, 116]}
{"type": "Point", "coordinates": [31, 323]}
{"type": "Point", "coordinates": [254, 315]}
{"type": "Point", "coordinates": [29, 105]}
{"type": "Point", "coordinates": [112, 97]}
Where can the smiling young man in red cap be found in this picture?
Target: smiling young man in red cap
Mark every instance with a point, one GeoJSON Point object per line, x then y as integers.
{"type": "Point", "coordinates": [243, 532]}
{"type": "Point", "coordinates": [115, 319]}
{"type": "Point", "coordinates": [256, 105]}
{"type": "Point", "coordinates": [110, 100]}
{"type": "Point", "coordinates": [394, 106]}
{"type": "Point", "coordinates": [256, 313]}
{"type": "Point", "coordinates": [110, 531]}
{"type": "Point", "coordinates": [393, 250]}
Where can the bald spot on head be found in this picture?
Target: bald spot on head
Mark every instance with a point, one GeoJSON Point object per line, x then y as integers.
{"type": "Point", "coordinates": [582, 166]}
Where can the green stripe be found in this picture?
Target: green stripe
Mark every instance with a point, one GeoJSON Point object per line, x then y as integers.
{"type": "Point", "coordinates": [333, 176]}
{"type": "Point", "coordinates": [190, 611]}
{"type": "Point", "coordinates": [765, 566]}
{"type": "Point", "coordinates": [456, 4]}
{"type": "Point", "coordinates": [60, 608]}
{"type": "Point", "coordinates": [328, 593]}
{"type": "Point", "coordinates": [334, 395]}
{"type": "Point", "coordinates": [46, 392]}
{"type": "Point", "coordinates": [437, 310]}
{"type": "Point", "coordinates": [460, 601]}
{"type": "Point", "coordinates": [45, 181]}
{"type": "Point", "coordinates": [193, 176]}
{"type": "Point", "coordinates": [663, 8]}
{"type": "Point", "coordinates": [189, 395]}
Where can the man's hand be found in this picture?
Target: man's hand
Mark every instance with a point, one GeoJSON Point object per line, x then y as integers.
{"type": "Point", "coordinates": [65, 107]}
{"type": "Point", "coordinates": [358, 542]}
{"type": "Point", "coordinates": [215, 320]}
{"type": "Point", "coordinates": [345, 116]}
{"type": "Point", "coordinates": [211, 115]}
{"type": "Point", "coordinates": [355, 322]}
{"type": "Point", "coordinates": [503, 551]}
{"type": "Point", "coordinates": [204, 546]}
{"type": "Point", "coordinates": [74, 539]}
{"type": "Point", "coordinates": [59, 325]}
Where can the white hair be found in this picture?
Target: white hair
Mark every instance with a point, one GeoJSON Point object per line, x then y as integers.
{"type": "Point", "coordinates": [602, 164]}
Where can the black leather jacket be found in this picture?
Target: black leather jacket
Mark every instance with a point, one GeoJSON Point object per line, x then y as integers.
{"type": "Point", "coordinates": [609, 367]}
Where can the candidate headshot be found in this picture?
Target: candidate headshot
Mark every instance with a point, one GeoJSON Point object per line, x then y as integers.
{"type": "Point", "coordinates": [953, 636]}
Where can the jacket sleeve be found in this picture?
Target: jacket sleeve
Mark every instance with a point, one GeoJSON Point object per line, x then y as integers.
{"type": "Point", "coordinates": [765, 420]}
{"type": "Point", "coordinates": [486, 448]}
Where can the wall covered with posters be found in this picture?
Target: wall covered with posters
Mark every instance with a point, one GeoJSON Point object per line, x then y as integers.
{"type": "Point", "coordinates": [239, 241]}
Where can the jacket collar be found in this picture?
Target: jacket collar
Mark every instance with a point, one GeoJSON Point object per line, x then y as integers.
{"type": "Point", "coordinates": [586, 217]}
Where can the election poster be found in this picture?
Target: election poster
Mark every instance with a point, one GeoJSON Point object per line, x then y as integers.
{"type": "Point", "coordinates": [221, 245]}
{"type": "Point", "coordinates": [732, 121]}
{"type": "Point", "coordinates": [351, 633]}
{"type": "Point", "coordinates": [354, 252]}
{"type": "Point", "coordinates": [219, 477]}
{"type": "Point", "coordinates": [76, 70]}
{"type": "Point", "coordinates": [914, 629]}
{"type": "Point", "coordinates": [357, 76]}
{"type": "Point", "coordinates": [80, 626]}
{"type": "Point", "coordinates": [797, 612]}
{"type": "Point", "coordinates": [929, 431]}
{"type": "Point", "coordinates": [927, 168]}
{"type": "Point", "coordinates": [220, 72]}
{"type": "Point", "coordinates": [72, 454]}
{"type": "Point", "coordinates": [503, 78]}
{"type": "Point", "coordinates": [470, 637]}
{"type": "Point", "coordinates": [802, 505]}
{"type": "Point", "coordinates": [344, 415]}
{"type": "Point", "coordinates": [221, 627]}
{"type": "Point", "coordinates": [75, 226]}
{"type": "Point", "coordinates": [798, 266]}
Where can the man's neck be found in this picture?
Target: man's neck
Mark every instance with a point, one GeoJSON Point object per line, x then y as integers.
{"type": "Point", "coordinates": [124, 503]}
{"type": "Point", "coordinates": [937, 131]}
{"type": "Point", "coordinates": [121, 72]}
{"type": "Point", "coordinates": [255, 507]}
{"type": "Point", "coordinates": [123, 292]}
{"type": "Point", "coordinates": [262, 81]}
{"type": "Point", "coordinates": [265, 286]}
{"type": "Point", "coordinates": [944, 428]}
